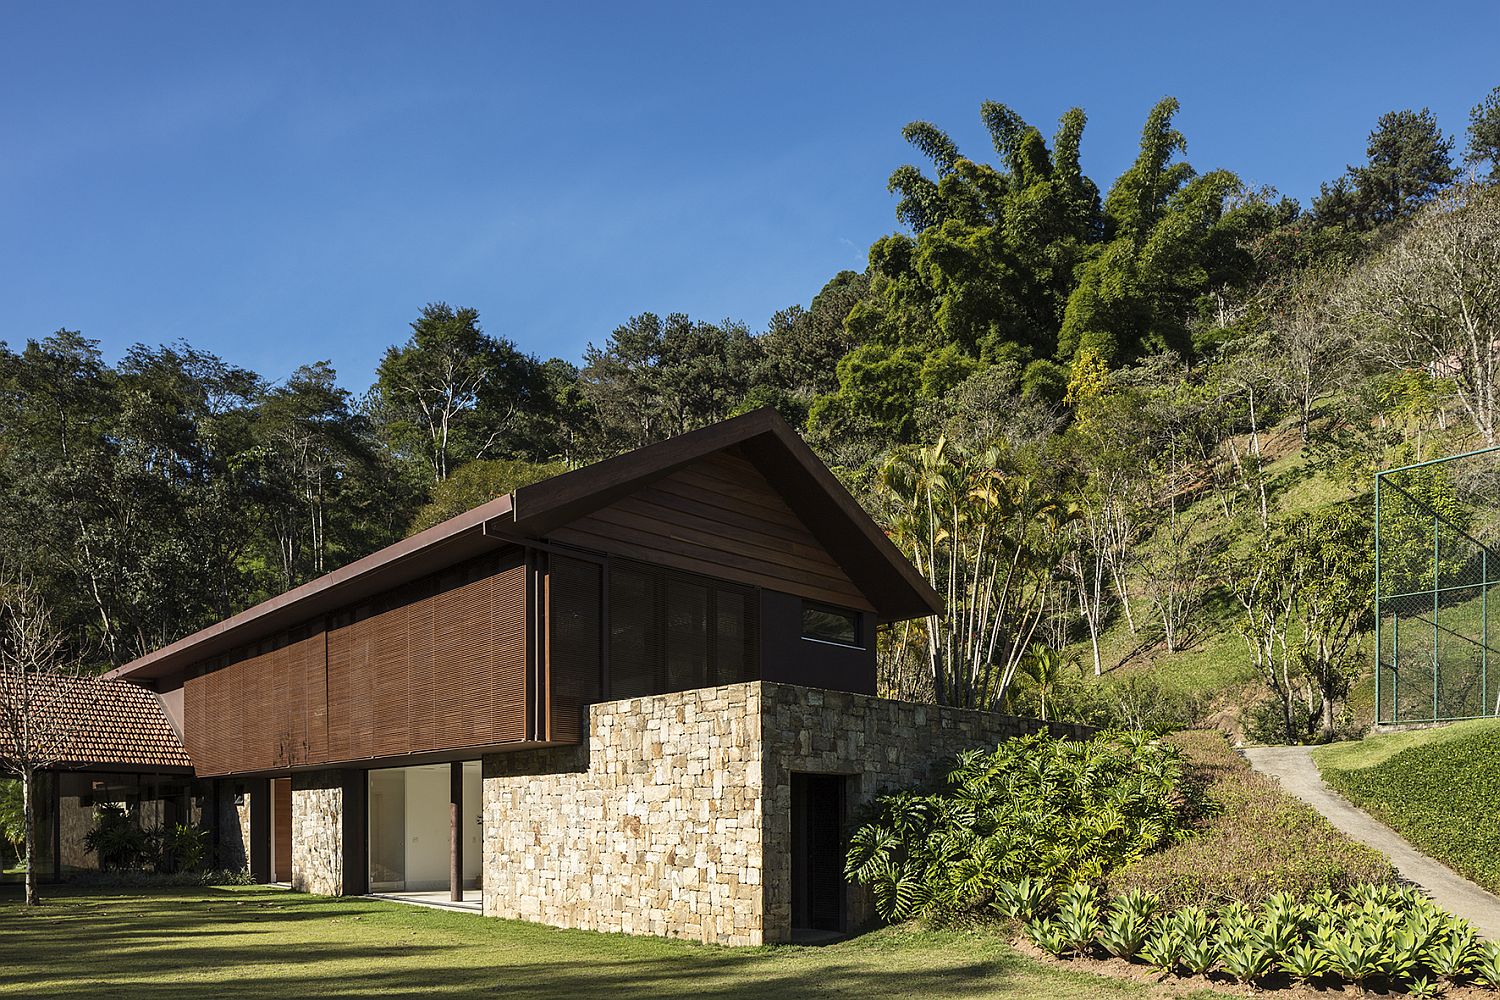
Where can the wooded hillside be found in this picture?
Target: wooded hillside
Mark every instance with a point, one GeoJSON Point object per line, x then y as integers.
{"type": "Point", "coordinates": [1128, 429]}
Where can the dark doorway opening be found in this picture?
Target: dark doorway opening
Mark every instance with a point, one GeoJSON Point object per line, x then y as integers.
{"type": "Point", "coordinates": [281, 830]}
{"type": "Point", "coordinates": [818, 896]}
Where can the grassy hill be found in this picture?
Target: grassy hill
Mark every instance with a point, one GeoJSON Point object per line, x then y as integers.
{"type": "Point", "coordinates": [1436, 787]}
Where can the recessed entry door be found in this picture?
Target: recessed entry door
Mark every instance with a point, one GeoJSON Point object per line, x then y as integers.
{"type": "Point", "coordinates": [818, 808]}
{"type": "Point", "coordinates": [281, 829]}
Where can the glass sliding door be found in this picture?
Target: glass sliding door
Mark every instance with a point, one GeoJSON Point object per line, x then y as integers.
{"type": "Point", "coordinates": [387, 830]}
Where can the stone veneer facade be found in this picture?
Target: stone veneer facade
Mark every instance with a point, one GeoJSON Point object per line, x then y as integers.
{"type": "Point", "coordinates": [318, 832]}
{"type": "Point", "coordinates": [674, 818]}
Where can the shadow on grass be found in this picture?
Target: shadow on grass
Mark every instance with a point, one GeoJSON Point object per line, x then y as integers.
{"type": "Point", "coordinates": [193, 943]}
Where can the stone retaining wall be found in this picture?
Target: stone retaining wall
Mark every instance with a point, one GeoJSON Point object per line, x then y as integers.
{"type": "Point", "coordinates": [651, 827]}
{"type": "Point", "coordinates": [675, 817]}
{"type": "Point", "coordinates": [317, 832]}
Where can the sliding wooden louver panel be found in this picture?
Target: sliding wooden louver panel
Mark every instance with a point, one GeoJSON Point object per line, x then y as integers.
{"type": "Point", "coordinates": [435, 665]}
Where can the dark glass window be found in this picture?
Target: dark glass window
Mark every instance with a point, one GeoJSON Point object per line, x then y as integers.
{"type": "Point", "coordinates": [827, 624]}
{"type": "Point", "coordinates": [673, 632]}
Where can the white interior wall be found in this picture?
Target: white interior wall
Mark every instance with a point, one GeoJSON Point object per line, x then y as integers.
{"type": "Point", "coordinates": [473, 820]}
{"type": "Point", "coordinates": [426, 827]}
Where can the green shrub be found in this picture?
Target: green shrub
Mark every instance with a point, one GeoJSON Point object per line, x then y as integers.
{"type": "Point", "coordinates": [181, 848]}
{"type": "Point", "coordinates": [116, 839]}
{"type": "Point", "coordinates": [1059, 811]}
{"type": "Point", "coordinates": [1440, 795]}
{"type": "Point", "coordinates": [1251, 842]}
{"type": "Point", "coordinates": [138, 879]}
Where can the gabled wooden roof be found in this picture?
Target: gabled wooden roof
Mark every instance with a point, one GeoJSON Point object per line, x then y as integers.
{"type": "Point", "coordinates": [890, 583]}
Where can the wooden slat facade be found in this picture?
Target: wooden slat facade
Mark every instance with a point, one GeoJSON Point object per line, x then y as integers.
{"type": "Point", "coordinates": [439, 664]}
{"type": "Point", "coordinates": [721, 518]}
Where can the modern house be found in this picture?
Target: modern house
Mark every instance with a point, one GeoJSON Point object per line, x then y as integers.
{"type": "Point", "coordinates": [637, 697]}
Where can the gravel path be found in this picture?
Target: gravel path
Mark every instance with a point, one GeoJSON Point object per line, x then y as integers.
{"type": "Point", "coordinates": [1294, 768]}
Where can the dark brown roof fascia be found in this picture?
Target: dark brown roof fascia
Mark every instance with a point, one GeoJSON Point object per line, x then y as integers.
{"type": "Point", "coordinates": [426, 552]}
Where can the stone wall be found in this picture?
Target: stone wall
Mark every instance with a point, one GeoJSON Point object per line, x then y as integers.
{"type": "Point", "coordinates": [651, 827]}
{"type": "Point", "coordinates": [674, 818]}
{"type": "Point", "coordinates": [317, 832]}
{"type": "Point", "coordinates": [878, 744]}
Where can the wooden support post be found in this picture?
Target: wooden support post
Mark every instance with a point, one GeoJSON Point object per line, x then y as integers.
{"type": "Point", "coordinates": [456, 831]}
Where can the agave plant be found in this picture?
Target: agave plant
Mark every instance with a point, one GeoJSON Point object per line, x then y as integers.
{"type": "Point", "coordinates": [1425, 989]}
{"type": "Point", "coordinates": [1199, 955]}
{"type": "Point", "coordinates": [1453, 956]}
{"type": "Point", "coordinates": [1024, 899]}
{"type": "Point", "coordinates": [1282, 922]}
{"type": "Point", "coordinates": [1047, 935]}
{"type": "Point", "coordinates": [1487, 965]}
{"type": "Point", "coordinates": [1078, 917]}
{"type": "Point", "coordinates": [1352, 955]}
{"type": "Point", "coordinates": [1128, 924]}
{"type": "Point", "coordinates": [1161, 950]}
{"type": "Point", "coordinates": [1305, 961]}
{"type": "Point", "coordinates": [1246, 960]}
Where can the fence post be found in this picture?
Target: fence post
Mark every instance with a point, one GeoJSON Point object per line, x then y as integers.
{"type": "Point", "coordinates": [1435, 577]}
{"type": "Point", "coordinates": [1378, 669]}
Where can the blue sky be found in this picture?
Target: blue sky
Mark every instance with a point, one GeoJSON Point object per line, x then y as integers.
{"type": "Point", "coordinates": [283, 183]}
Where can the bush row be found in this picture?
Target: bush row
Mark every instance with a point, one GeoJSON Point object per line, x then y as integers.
{"type": "Point", "coordinates": [1057, 811]}
{"type": "Point", "coordinates": [1254, 841]}
{"type": "Point", "coordinates": [1369, 934]}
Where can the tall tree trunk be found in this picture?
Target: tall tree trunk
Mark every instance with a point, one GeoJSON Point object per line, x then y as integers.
{"type": "Point", "coordinates": [28, 812]}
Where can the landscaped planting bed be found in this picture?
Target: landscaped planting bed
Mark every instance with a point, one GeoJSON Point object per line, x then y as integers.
{"type": "Point", "coordinates": [1440, 789]}
{"type": "Point", "coordinates": [1130, 853]}
{"type": "Point", "coordinates": [1388, 937]}
{"type": "Point", "coordinates": [1250, 842]}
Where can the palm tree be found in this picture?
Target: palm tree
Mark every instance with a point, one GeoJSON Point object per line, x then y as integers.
{"type": "Point", "coordinates": [1043, 666]}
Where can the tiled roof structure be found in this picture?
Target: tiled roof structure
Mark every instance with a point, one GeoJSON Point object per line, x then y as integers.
{"type": "Point", "coordinates": [88, 721]}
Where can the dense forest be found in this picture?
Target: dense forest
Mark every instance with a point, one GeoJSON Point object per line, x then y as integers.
{"type": "Point", "coordinates": [1127, 430]}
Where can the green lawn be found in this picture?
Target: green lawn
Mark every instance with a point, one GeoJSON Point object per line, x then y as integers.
{"type": "Point", "coordinates": [245, 942]}
{"type": "Point", "coordinates": [1437, 787]}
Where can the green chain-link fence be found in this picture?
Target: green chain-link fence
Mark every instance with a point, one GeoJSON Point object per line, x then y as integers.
{"type": "Point", "coordinates": [1437, 589]}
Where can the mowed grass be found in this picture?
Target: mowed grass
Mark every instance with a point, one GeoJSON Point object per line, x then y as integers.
{"type": "Point", "coordinates": [256, 942]}
{"type": "Point", "coordinates": [1438, 788]}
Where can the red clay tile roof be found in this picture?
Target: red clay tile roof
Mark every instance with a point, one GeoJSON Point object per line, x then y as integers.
{"type": "Point", "coordinates": [94, 722]}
